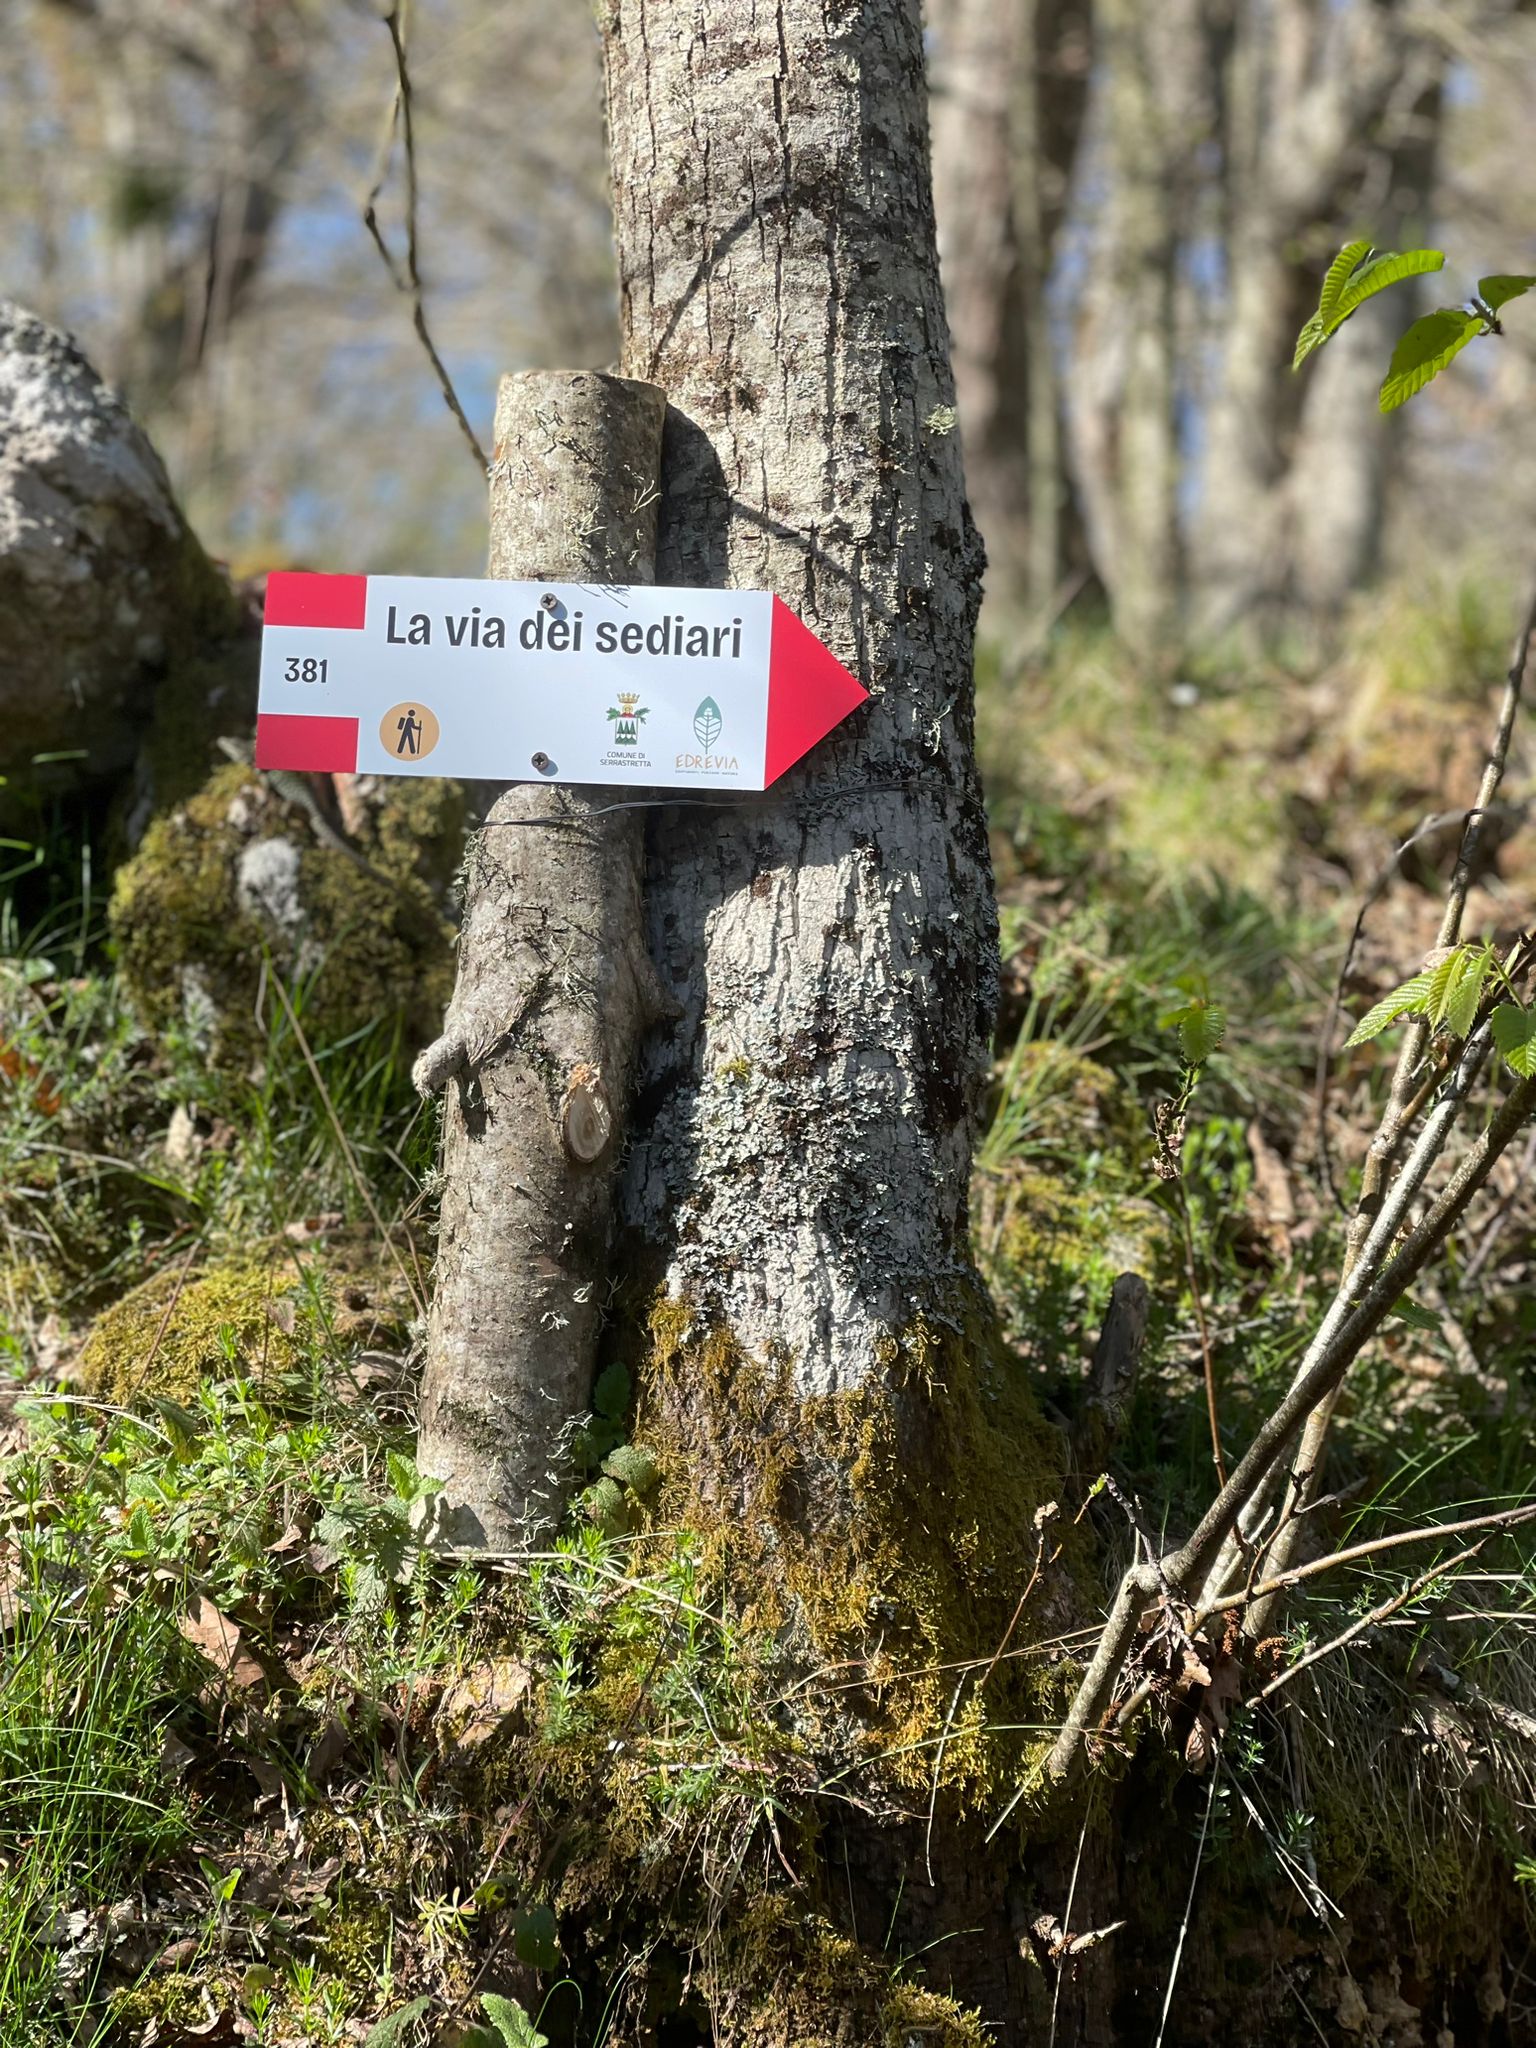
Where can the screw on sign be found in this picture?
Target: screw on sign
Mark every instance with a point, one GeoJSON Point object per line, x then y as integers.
{"type": "Point", "coordinates": [585, 683]}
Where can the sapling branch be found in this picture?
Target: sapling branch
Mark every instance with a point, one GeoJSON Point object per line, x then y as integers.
{"type": "Point", "coordinates": [1407, 1094]}
{"type": "Point", "coordinates": [1348, 1326]}
{"type": "Point", "coordinates": [1500, 1518]}
{"type": "Point", "coordinates": [1377, 1614]}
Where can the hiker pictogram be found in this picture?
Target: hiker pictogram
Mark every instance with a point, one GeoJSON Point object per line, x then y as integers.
{"type": "Point", "coordinates": [408, 732]}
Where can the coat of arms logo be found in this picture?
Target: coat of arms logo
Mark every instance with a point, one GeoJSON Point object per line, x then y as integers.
{"type": "Point", "coordinates": [627, 717]}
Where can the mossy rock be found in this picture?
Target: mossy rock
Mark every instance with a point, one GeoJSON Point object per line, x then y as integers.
{"type": "Point", "coordinates": [249, 1316]}
{"type": "Point", "coordinates": [234, 886]}
{"type": "Point", "coordinates": [171, 1331]}
{"type": "Point", "coordinates": [1053, 1246]}
{"type": "Point", "coordinates": [789, 1979]}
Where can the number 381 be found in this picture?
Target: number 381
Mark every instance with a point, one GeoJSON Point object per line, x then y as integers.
{"type": "Point", "coordinates": [304, 669]}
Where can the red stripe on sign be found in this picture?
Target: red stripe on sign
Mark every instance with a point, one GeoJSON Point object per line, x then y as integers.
{"type": "Point", "coordinates": [295, 599]}
{"type": "Point", "coordinates": [314, 746]}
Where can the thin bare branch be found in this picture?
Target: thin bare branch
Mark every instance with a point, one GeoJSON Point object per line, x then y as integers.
{"type": "Point", "coordinates": [1503, 1518]}
{"type": "Point", "coordinates": [1348, 1326]}
{"type": "Point", "coordinates": [409, 281]}
{"type": "Point", "coordinates": [1406, 1096]}
{"type": "Point", "coordinates": [1376, 1615]}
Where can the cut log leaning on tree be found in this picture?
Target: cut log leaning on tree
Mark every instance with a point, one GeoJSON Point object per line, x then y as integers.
{"type": "Point", "coordinates": [554, 991]}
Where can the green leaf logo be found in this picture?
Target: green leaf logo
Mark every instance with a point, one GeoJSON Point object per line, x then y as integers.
{"type": "Point", "coordinates": [707, 723]}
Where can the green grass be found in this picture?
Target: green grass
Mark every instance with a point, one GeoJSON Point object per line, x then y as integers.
{"type": "Point", "coordinates": [85, 1810]}
{"type": "Point", "coordinates": [1132, 854]}
{"type": "Point", "coordinates": [296, 1513]}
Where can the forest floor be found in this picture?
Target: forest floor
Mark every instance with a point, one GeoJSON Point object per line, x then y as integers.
{"type": "Point", "coordinates": [273, 1773]}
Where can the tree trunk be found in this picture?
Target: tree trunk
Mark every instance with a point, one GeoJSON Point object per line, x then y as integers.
{"type": "Point", "coordinates": [553, 992]}
{"type": "Point", "coordinates": [979, 57]}
{"type": "Point", "coordinates": [805, 1176]}
{"type": "Point", "coordinates": [1324, 112]}
{"type": "Point", "coordinates": [1121, 403]}
{"type": "Point", "coordinates": [818, 1370]}
{"type": "Point", "coordinates": [1338, 482]}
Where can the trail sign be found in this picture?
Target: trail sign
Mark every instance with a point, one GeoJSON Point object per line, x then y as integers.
{"type": "Point", "coordinates": [541, 682]}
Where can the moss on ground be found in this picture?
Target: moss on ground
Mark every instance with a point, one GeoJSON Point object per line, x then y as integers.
{"type": "Point", "coordinates": [174, 2000]}
{"type": "Point", "coordinates": [164, 1335]}
{"type": "Point", "coordinates": [790, 1979]}
{"type": "Point", "coordinates": [198, 937]}
{"type": "Point", "coordinates": [244, 1315]}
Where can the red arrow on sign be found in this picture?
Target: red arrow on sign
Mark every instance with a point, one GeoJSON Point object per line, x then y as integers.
{"type": "Point", "coordinates": [809, 692]}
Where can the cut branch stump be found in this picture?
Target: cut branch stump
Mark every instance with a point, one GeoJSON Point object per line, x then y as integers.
{"type": "Point", "coordinates": [555, 990]}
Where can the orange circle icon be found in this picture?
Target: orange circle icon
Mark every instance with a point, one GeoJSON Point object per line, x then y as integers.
{"type": "Point", "coordinates": [408, 732]}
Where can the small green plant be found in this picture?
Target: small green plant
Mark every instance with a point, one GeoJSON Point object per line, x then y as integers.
{"type": "Point", "coordinates": [1451, 997]}
{"type": "Point", "coordinates": [1356, 274]}
{"type": "Point", "coordinates": [513, 2024]}
{"type": "Point", "coordinates": [1433, 342]}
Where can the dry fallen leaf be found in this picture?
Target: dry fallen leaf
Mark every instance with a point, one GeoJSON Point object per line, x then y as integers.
{"type": "Point", "coordinates": [174, 1756]}
{"type": "Point", "coordinates": [1223, 1689]}
{"type": "Point", "coordinates": [326, 1751]}
{"type": "Point", "coordinates": [13, 1599]}
{"type": "Point", "coordinates": [310, 1227]}
{"type": "Point", "coordinates": [220, 1641]}
{"type": "Point", "coordinates": [484, 1700]}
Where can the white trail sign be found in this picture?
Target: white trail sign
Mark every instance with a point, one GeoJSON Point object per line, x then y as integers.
{"type": "Point", "coordinates": [541, 682]}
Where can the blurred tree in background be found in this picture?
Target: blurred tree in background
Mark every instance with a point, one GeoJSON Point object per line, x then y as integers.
{"type": "Point", "coordinates": [1136, 205]}
{"type": "Point", "coordinates": [182, 183]}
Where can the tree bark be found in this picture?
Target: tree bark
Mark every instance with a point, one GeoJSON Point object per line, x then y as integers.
{"type": "Point", "coordinates": [804, 1178]}
{"type": "Point", "coordinates": [554, 990]}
